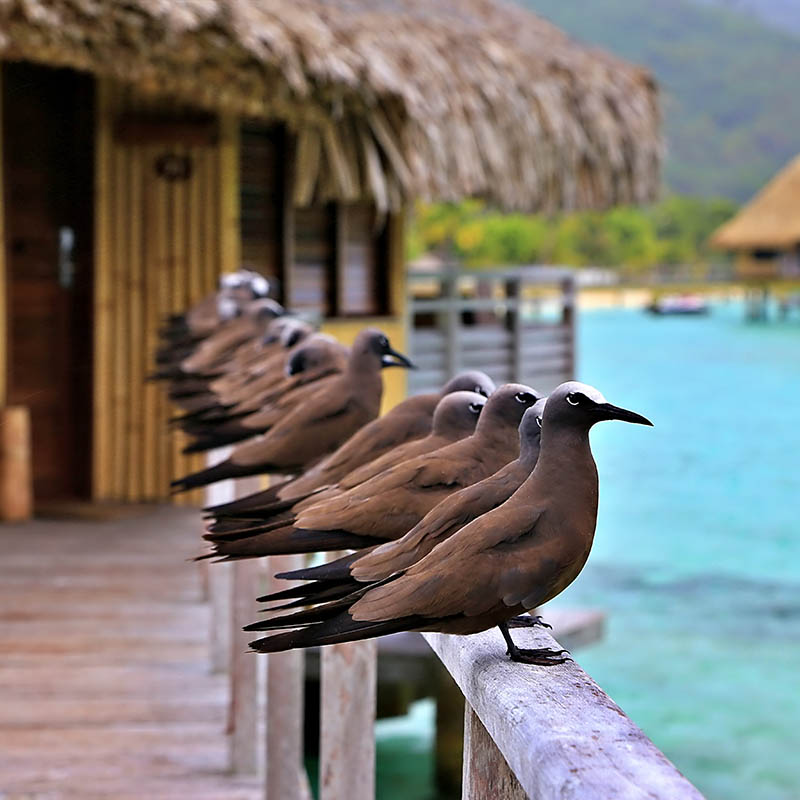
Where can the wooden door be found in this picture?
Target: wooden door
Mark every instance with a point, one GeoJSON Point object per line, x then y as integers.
{"type": "Point", "coordinates": [47, 150]}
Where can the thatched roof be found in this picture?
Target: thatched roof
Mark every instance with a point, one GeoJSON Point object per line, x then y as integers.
{"type": "Point", "coordinates": [390, 98]}
{"type": "Point", "coordinates": [771, 220]}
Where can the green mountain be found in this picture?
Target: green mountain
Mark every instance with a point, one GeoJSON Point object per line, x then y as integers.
{"type": "Point", "coordinates": [731, 85]}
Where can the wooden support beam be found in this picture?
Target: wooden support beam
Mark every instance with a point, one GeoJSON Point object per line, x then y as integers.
{"type": "Point", "coordinates": [244, 678]}
{"type": "Point", "coordinates": [347, 738]}
{"type": "Point", "coordinates": [16, 477]}
{"type": "Point", "coordinates": [285, 775]}
{"type": "Point", "coordinates": [485, 773]}
{"type": "Point", "coordinates": [220, 579]}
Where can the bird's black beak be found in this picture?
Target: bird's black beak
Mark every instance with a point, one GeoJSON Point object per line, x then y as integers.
{"type": "Point", "coordinates": [391, 358]}
{"type": "Point", "coordinates": [607, 411]}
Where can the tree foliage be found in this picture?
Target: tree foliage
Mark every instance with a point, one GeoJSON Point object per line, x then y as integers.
{"type": "Point", "coordinates": [675, 231]}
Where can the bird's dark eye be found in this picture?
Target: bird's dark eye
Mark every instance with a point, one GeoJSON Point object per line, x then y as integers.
{"type": "Point", "coordinates": [526, 398]}
{"type": "Point", "coordinates": [574, 398]}
{"type": "Point", "coordinates": [480, 390]}
{"type": "Point", "coordinates": [383, 341]}
{"type": "Point", "coordinates": [476, 408]}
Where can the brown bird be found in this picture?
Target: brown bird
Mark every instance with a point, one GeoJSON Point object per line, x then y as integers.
{"type": "Point", "coordinates": [345, 575]}
{"type": "Point", "coordinates": [408, 421]}
{"type": "Point", "coordinates": [252, 323]}
{"type": "Point", "coordinates": [455, 418]}
{"type": "Point", "coordinates": [512, 559]}
{"type": "Point", "coordinates": [310, 368]}
{"type": "Point", "coordinates": [390, 504]}
{"type": "Point", "coordinates": [316, 428]}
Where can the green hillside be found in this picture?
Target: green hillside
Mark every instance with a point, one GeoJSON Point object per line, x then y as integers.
{"type": "Point", "coordinates": [731, 85]}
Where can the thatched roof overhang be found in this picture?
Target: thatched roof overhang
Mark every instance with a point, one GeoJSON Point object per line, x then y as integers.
{"type": "Point", "coordinates": [392, 99]}
{"type": "Point", "coordinates": [771, 220]}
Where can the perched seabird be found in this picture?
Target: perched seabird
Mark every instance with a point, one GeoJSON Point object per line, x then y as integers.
{"type": "Point", "coordinates": [390, 504]}
{"type": "Point", "coordinates": [455, 419]}
{"type": "Point", "coordinates": [507, 561]}
{"type": "Point", "coordinates": [339, 578]}
{"type": "Point", "coordinates": [408, 421]}
{"type": "Point", "coordinates": [317, 427]}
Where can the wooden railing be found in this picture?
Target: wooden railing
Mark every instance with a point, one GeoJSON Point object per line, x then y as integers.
{"type": "Point", "coordinates": [515, 324]}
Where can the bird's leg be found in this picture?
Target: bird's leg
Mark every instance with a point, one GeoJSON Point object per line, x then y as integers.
{"type": "Point", "coordinates": [543, 657]}
{"type": "Point", "coordinates": [528, 621]}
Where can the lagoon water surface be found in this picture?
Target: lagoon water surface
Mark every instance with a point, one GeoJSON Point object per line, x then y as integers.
{"type": "Point", "coordinates": [697, 553]}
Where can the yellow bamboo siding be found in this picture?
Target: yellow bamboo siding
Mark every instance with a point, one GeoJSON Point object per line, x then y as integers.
{"type": "Point", "coordinates": [3, 323]}
{"type": "Point", "coordinates": [160, 246]}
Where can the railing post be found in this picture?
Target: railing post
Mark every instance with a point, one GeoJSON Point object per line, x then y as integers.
{"type": "Point", "coordinates": [485, 773]}
{"type": "Point", "coordinates": [569, 319]}
{"type": "Point", "coordinates": [285, 777]}
{"type": "Point", "coordinates": [348, 687]}
{"type": "Point", "coordinates": [513, 289]}
{"type": "Point", "coordinates": [219, 578]}
{"type": "Point", "coordinates": [452, 322]}
{"type": "Point", "coordinates": [244, 683]}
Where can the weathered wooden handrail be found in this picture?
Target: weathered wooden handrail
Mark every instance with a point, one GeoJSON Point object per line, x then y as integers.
{"type": "Point", "coordinates": [559, 734]}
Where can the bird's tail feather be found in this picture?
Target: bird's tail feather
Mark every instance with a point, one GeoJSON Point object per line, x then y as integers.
{"type": "Point", "coordinates": [341, 628]}
{"type": "Point", "coordinates": [219, 472]}
{"type": "Point", "coordinates": [288, 540]}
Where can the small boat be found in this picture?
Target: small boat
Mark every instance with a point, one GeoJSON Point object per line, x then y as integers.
{"type": "Point", "coordinates": [679, 304]}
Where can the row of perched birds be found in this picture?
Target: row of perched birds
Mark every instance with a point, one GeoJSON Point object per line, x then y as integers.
{"type": "Point", "coordinates": [462, 509]}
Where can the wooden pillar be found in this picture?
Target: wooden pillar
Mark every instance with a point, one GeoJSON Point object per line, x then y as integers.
{"type": "Point", "coordinates": [569, 320]}
{"type": "Point", "coordinates": [284, 775]}
{"type": "Point", "coordinates": [244, 678]}
{"type": "Point", "coordinates": [16, 480]}
{"type": "Point", "coordinates": [485, 775]}
{"type": "Point", "coordinates": [219, 579]}
{"type": "Point", "coordinates": [348, 676]}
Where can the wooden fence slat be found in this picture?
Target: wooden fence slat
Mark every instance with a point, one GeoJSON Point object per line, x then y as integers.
{"type": "Point", "coordinates": [486, 775]}
{"type": "Point", "coordinates": [244, 695]}
{"type": "Point", "coordinates": [244, 678]}
{"type": "Point", "coordinates": [284, 775]}
{"type": "Point", "coordinates": [348, 688]}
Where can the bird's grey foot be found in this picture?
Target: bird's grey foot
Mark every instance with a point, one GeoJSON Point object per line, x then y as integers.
{"type": "Point", "coordinates": [542, 657]}
{"type": "Point", "coordinates": [528, 621]}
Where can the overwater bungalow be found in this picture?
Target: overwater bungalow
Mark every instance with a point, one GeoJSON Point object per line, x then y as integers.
{"type": "Point", "coordinates": [765, 234]}
{"type": "Point", "coordinates": [146, 148]}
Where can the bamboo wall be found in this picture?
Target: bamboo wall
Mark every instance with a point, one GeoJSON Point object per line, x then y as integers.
{"type": "Point", "coordinates": [160, 245]}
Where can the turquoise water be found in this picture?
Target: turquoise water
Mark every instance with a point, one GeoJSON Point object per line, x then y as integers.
{"type": "Point", "coordinates": [697, 554]}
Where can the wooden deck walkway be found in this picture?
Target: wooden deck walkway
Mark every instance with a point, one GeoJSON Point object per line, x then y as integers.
{"type": "Point", "coordinates": [105, 689]}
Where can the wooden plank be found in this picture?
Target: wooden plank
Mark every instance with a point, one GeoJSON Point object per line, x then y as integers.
{"type": "Point", "coordinates": [347, 741]}
{"type": "Point", "coordinates": [485, 773]}
{"type": "Point", "coordinates": [284, 774]}
{"type": "Point", "coordinates": [593, 750]}
{"type": "Point", "coordinates": [16, 469]}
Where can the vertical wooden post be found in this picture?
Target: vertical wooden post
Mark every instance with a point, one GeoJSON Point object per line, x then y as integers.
{"type": "Point", "coordinates": [452, 322]}
{"type": "Point", "coordinates": [16, 482]}
{"type": "Point", "coordinates": [513, 289]}
{"type": "Point", "coordinates": [348, 678]}
{"type": "Point", "coordinates": [244, 682]}
{"type": "Point", "coordinates": [569, 321]}
{"type": "Point", "coordinates": [285, 775]}
{"type": "Point", "coordinates": [485, 774]}
{"type": "Point", "coordinates": [219, 578]}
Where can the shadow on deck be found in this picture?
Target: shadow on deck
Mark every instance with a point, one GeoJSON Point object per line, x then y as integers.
{"type": "Point", "coordinates": [104, 674]}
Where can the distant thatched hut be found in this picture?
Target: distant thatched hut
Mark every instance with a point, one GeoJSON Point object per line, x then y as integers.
{"type": "Point", "coordinates": [150, 146]}
{"type": "Point", "coordinates": [765, 234]}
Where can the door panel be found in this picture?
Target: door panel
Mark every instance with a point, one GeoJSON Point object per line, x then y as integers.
{"type": "Point", "coordinates": [48, 174]}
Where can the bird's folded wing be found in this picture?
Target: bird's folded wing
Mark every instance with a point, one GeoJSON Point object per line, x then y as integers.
{"type": "Point", "coordinates": [469, 574]}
